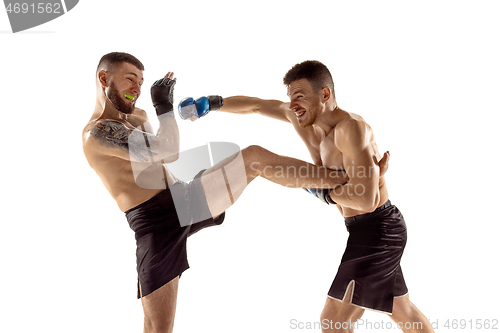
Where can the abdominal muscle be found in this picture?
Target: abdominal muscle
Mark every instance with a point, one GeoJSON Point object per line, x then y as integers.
{"type": "Point", "coordinates": [129, 189]}
{"type": "Point", "coordinates": [330, 156]}
{"type": "Point", "coordinates": [383, 197]}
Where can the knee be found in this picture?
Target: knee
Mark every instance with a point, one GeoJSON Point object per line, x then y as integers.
{"type": "Point", "coordinates": [253, 153]}
{"type": "Point", "coordinates": [404, 310]}
{"type": "Point", "coordinates": [333, 314]}
{"type": "Point", "coordinates": [340, 315]}
{"type": "Point", "coordinates": [253, 156]}
{"type": "Point", "coordinates": [151, 326]}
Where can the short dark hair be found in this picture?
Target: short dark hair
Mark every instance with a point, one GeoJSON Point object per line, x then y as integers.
{"type": "Point", "coordinates": [314, 71]}
{"type": "Point", "coordinates": [111, 60]}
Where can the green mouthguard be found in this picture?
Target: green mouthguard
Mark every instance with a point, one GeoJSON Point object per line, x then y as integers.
{"type": "Point", "coordinates": [130, 97]}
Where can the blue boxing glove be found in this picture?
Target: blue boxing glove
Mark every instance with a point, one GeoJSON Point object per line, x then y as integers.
{"type": "Point", "coordinates": [322, 194]}
{"type": "Point", "coordinates": [188, 107]}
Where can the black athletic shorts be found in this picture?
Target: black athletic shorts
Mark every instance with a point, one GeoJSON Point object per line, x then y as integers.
{"type": "Point", "coordinates": [161, 236]}
{"type": "Point", "coordinates": [372, 259]}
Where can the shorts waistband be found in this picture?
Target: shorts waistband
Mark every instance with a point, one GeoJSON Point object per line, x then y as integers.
{"type": "Point", "coordinates": [147, 202]}
{"type": "Point", "coordinates": [351, 219]}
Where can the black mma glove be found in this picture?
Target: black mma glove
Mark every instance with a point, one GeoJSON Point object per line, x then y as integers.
{"type": "Point", "coordinates": [162, 95]}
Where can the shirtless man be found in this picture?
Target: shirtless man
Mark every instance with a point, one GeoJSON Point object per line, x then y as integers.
{"type": "Point", "coordinates": [369, 276]}
{"type": "Point", "coordinates": [119, 144]}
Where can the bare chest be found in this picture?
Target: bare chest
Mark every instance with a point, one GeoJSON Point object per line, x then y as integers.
{"type": "Point", "coordinates": [321, 147]}
{"type": "Point", "coordinates": [330, 155]}
{"type": "Point", "coordinates": [324, 151]}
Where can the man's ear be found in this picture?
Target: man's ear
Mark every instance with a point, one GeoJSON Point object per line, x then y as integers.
{"type": "Point", "coordinates": [103, 78]}
{"type": "Point", "coordinates": [326, 94]}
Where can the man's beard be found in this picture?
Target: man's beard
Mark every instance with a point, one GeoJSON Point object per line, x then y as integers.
{"type": "Point", "coordinates": [118, 102]}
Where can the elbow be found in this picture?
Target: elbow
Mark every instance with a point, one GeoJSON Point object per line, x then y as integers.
{"type": "Point", "coordinates": [241, 105]}
{"type": "Point", "coordinates": [171, 150]}
{"type": "Point", "coordinates": [255, 105]}
{"type": "Point", "coordinates": [255, 108]}
{"type": "Point", "coordinates": [170, 154]}
{"type": "Point", "coordinates": [171, 157]}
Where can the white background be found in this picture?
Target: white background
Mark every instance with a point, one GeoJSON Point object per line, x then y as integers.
{"type": "Point", "coordinates": [425, 75]}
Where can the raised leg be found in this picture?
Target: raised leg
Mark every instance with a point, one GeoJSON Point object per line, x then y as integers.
{"type": "Point", "coordinates": [226, 181]}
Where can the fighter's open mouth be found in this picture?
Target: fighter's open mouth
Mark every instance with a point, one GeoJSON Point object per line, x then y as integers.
{"type": "Point", "coordinates": [300, 113]}
{"type": "Point", "coordinates": [129, 97]}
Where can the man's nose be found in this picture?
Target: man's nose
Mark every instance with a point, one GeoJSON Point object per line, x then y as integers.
{"type": "Point", "coordinates": [136, 88]}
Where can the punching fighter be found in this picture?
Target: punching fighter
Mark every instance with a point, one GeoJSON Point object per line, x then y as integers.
{"type": "Point", "coordinates": [369, 275]}
{"type": "Point", "coordinates": [131, 161]}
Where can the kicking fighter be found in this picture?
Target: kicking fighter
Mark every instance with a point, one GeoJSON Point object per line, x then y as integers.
{"type": "Point", "coordinates": [370, 275]}
{"type": "Point", "coordinates": [119, 144]}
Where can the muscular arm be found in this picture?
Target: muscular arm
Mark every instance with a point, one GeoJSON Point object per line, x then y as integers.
{"type": "Point", "coordinates": [116, 139]}
{"type": "Point", "coordinates": [354, 140]}
{"type": "Point", "coordinates": [250, 105]}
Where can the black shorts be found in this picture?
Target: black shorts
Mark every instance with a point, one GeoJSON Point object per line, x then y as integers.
{"type": "Point", "coordinates": [372, 259]}
{"type": "Point", "coordinates": [160, 235]}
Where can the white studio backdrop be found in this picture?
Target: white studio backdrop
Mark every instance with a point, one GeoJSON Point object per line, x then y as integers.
{"type": "Point", "coordinates": [423, 74]}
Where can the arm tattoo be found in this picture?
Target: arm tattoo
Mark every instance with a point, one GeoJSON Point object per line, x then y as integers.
{"type": "Point", "coordinates": [116, 135]}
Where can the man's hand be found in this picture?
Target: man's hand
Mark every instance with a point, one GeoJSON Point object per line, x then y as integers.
{"type": "Point", "coordinates": [383, 164]}
{"type": "Point", "coordinates": [162, 94]}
